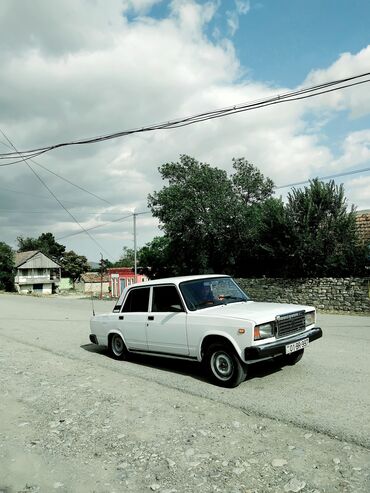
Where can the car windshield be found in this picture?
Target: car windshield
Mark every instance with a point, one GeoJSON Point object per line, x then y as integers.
{"type": "Point", "coordinates": [204, 293]}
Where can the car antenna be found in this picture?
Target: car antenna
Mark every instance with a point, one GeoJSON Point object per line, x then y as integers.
{"type": "Point", "coordinates": [92, 302]}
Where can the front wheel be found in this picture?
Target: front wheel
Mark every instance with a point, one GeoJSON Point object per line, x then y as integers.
{"type": "Point", "coordinates": [117, 347]}
{"type": "Point", "coordinates": [223, 366]}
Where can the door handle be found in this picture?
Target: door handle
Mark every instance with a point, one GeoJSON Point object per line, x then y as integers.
{"type": "Point", "coordinates": [150, 317]}
{"type": "Point", "coordinates": [121, 317]}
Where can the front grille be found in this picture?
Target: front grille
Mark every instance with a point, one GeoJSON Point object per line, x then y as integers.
{"type": "Point", "coordinates": [290, 323]}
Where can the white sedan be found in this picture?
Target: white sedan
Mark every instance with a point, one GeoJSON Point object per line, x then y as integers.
{"type": "Point", "coordinates": [205, 318]}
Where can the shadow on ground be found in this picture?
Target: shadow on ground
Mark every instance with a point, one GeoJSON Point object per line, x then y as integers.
{"type": "Point", "coordinates": [189, 368]}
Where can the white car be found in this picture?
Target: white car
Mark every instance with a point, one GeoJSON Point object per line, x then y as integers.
{"type": "Point", "coordinates": [208, 319]}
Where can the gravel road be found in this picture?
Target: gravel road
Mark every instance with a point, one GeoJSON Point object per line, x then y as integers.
{"type": "Point", "coordinates": [74, 420]}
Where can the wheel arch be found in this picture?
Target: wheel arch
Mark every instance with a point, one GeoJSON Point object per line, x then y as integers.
{"type": "Point", "coordinates": [217, 338]}
{"type": "Point", "coordinates": [118, 332]}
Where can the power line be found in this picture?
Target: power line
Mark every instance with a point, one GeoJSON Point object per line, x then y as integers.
{"type": "Point", "coordinates": [102, 225]}
{"type": "Point", "coordinates": [55, 197]}
{"type": "Point", "coordinates": [299, 94]}
{"type": "Point", "coordinates": [65, 179]}
{"type": "Point", "coordinates": [347, 173]}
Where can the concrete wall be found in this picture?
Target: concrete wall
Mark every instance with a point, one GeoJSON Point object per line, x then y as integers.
{"type": "Point", "coordinates": [350, 294]}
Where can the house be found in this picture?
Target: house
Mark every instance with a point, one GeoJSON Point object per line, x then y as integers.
{"type": "Point", "coordinates": [94, 283]}
{"type": "Point", "coordinates": [363, 226]}
{"type": "Point", "coordinates": [36, 273]}
{"type": "Point", "coordinates": [120, 277]}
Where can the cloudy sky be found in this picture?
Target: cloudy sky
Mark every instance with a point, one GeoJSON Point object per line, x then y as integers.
{"type": "Point", "coordinates": [81, 68]}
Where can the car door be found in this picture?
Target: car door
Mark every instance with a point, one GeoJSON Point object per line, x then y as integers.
{"type": "Point", "coordinates": [166, 324]}
{"type": "Point", "coordinates": [133, 318]}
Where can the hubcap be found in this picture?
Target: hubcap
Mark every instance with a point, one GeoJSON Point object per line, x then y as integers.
{"type": "Point", "coordinates": [222, 365]}
{"type": "Point", "coordinates": [117, 345]}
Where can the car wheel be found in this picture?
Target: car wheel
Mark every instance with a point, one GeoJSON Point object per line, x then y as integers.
{"type": "Point", "coordinates": [223, 366]}
{"type": "Point", "coordinates": [117, 347]}
{"type": "Point", "coordinates": [293, 358]}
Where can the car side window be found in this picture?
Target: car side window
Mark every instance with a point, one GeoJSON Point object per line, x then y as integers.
{"type": "Point", "coordinates": [137, 300]}
{"type": "Point", "coordinates": [166, 299]}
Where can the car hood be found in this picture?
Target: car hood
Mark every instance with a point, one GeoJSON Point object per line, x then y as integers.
{"type": "Point", "coordinates": [255, 311]}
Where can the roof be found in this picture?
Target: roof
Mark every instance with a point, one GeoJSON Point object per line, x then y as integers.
{"type": "Point", "coordinates": [22, 257]}
{"type": "Point", "coordinates": [94, 277]}
{"type": "Point", "coordinates": [34, 259]}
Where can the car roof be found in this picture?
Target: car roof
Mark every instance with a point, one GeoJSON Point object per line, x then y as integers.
{"type": "Point", "coordinates": [177, 280]}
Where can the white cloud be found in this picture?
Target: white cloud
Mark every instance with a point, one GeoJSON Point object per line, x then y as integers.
{"type": "Point", "coordinates": [98, 72]}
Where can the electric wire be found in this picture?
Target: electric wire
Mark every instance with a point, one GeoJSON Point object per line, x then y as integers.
{"type": "Point", "coordinates": [56, 198]}
{"type": "Point", "coordinates": [65, 179]}
{"type": "Point", "coordinates": [104, 224]}
{"type": "Point", "coordinates": [346, 173]}
{"type": "Point", "coordinates": [296, 95]}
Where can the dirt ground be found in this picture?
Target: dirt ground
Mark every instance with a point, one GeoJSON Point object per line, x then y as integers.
{"type": "Point", "coordinates": [74, 420]}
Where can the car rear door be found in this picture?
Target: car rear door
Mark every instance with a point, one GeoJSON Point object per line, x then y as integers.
{"type": "Point", "coordinates": [166, 322]}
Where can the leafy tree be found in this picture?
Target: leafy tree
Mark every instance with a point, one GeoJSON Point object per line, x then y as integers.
{"type": "Point", "coordinates": [127, 258]}
{"type": "Point", "coordinates": [7, 270]}
{"type": "Point", "coordinates": [73, 265]}
{"type": "Point", "coordinates": [250, 183]}
{"type": "Point", "coordinates": [46, 243]}
{"type": "Point", "coordinates": [156, 258]}
{"type": "Point", "coordinates": [196, 211]}
{"type": "Point", "coordinates": [324, 236]}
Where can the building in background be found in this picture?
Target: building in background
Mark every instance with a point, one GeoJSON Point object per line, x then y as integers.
{"type": "Point", "coordinates": [120, 277]}
{"type": "Point", "coordinates": [36, 273]}
{"type": "Point", "coordinates": [93, 283]}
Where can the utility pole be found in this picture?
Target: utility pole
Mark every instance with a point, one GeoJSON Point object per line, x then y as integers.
{"type": "Point", "coordinates": [101, 275]}
{"type": "Point", "coordinates": [135, 247]}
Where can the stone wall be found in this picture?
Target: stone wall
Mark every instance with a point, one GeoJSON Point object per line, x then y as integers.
{"type": "Point", "coordinates": [350, 294]}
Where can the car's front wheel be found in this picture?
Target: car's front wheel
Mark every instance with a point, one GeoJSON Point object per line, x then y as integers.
{"type": "Point", "coordinates": [223, 365]}
{"type": "Point", "coordinates": [117, 347]}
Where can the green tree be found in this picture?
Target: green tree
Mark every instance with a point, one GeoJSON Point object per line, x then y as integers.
{"type": "Point", "coordinates": [156, 258]}
{"type": "Point", "coordinates": [197, 212]}
{"type": "Point", "coordinates": [73, 265]}
{"type": "Point", "coordinates": [127, 258]}
{"type": "Point", "coordinates": [249, 183]}
{"type": "Point", "coordinates": [324, 237]}
{"type": "Point", "coordinates": [46, 243]}
{"type": "Point", "coordinates": [7, 269]}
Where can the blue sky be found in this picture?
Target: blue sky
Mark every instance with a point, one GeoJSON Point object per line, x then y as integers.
{"type": "Point", "coordinates": [81, 68]}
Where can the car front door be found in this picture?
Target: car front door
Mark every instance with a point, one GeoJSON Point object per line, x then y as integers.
{"type": "Point", "coordinates": [166, 324]}
{"type": "Point", "coordinates": [133, 317]}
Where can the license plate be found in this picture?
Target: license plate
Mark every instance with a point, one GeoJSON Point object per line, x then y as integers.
{"type": "Point", "coordinates": [296, 346]}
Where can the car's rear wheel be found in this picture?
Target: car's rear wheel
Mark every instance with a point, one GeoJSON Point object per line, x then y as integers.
{"type": "Point", "coordinates": [223, 366]}
{"type": "Point", "coordinates": [117, 347]}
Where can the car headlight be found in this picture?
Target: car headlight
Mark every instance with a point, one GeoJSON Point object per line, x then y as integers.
{"type": "Point", "coordinates": [310, 318]}
{"type": "Point", "coordinates": [263, 331]}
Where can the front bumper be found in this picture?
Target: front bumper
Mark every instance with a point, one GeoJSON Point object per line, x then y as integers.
{"type": "Point", "coordinates": [273, 349]}
{"type": "Point", "coordinates": [93, 339]}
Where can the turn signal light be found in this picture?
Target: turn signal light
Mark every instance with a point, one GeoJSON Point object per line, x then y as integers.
{"type": "Point", "coordinates": [241, 331]}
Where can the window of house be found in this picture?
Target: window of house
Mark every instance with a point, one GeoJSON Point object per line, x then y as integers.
{"type": "Point", "coordinates": [137, 300]}
{"type": "Point", "coordinates": [166, 299]}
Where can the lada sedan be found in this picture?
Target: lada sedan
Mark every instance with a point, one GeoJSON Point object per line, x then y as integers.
{"type": "Point", "coordinates": [208, 319]}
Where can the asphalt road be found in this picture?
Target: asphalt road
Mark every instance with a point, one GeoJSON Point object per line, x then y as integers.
{"type": "Point", "coordinates": [328, 392]}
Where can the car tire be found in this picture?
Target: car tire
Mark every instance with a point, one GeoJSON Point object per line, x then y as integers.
{"type": "Point", "coordinates": [117, 347]}
{"type": "Point", "coordinates": [223, 366]}
{"type": "Point", "coordinates": [292, 359]}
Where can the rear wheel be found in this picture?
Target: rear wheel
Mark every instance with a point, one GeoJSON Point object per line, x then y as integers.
{"type": "Point", "coordinates": [117, 347]}
{"type": "Point", "coordinates": [223, 366]}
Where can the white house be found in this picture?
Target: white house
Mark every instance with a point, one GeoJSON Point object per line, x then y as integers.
{"type": "Point", "coordinates": [36, 273]}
